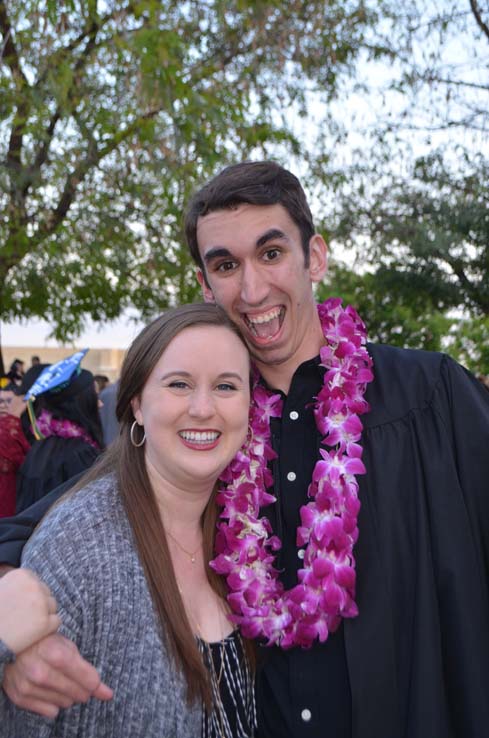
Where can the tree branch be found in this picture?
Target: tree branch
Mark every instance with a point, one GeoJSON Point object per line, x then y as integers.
{"type": "Point", "coordinates": [93, 28]}
{"type": "Point", "coordinates": [12, 60]}
{"type": "Point", "coordinates": [43, 151]}
{"type": "Point", "coordinates": [9, 51]}
{"type": "Point", "coordinates": [93, 158]}
{"type": "Point", "coordinates": [478, 18]}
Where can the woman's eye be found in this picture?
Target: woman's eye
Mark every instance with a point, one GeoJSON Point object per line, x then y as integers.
{"type": "Point", "coordinates": [178, 384]}
{"type": "Point", "coordinates": [226, 387]}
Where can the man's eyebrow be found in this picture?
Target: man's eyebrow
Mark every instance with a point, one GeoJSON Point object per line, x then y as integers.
{"type": "Point", "coordinates": [271, 235]}
{"type": "Point", "coordinates": [219, 252]}
{"type": "Point", "coordinates": [216, 253]}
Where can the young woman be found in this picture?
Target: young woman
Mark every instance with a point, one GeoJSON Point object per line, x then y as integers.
{"type": "Point", "coordinates": [126, 554]}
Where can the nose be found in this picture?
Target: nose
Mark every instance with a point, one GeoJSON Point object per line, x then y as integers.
{"type": "Point", "coordinates": [201, 404]}
{"type": "Point", "coordinates": [254, 288]}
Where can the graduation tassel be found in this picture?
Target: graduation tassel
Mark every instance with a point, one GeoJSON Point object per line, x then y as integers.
{"type": "Point", "coordinates": [32, 417]}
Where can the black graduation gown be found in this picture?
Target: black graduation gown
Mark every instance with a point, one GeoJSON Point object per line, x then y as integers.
{"type": "Point", "coordinates": [48, 464]}
{"type": "Point", "coordinates": [418, 654]}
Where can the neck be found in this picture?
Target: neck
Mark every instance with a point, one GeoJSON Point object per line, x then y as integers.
{"type": "Point", "coordinates": [180, 509]}
{"type": "Point", "coordinates": [278, 376]}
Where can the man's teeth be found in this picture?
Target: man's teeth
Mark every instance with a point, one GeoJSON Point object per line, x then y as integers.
{"type": "Point", "coordinates": [200, 437]}
{"type": "Point", "coordinates": [266, 317]}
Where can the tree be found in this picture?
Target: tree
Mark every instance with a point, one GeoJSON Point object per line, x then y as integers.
{"type": "Point", "coordinates": [468, 341]}
{"type": "Point", "coordinates": [411, 198]}
{"type": "Point", "coordinates": [431, 233]}
{"type": "Point", "coordinates": [431, 75]}
{"type": "Point", "coordinates": [401, 317]}
{"type": "Point", "coordinates": [111, 112]}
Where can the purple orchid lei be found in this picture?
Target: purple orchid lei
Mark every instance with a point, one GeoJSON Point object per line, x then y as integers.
{"type": "Point", "coordinates": [49, 426]}
{"type": "Point", "coordinates": [245, 549]}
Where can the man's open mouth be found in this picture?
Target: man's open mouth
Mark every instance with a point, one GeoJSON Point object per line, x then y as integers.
{"type": "Point", "coordinates": [265, 325]}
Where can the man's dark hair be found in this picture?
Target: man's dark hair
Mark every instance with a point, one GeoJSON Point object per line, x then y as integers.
{"type": "Point", "coordinates": [256, 183]}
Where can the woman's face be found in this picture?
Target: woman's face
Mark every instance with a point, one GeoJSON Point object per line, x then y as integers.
{"type": "Point", "coordinates": [194, 406]}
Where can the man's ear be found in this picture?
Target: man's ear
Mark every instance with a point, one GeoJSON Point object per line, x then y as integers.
{"type": "Point", "coordinates": [318, 258]}
{"type": "Point", "coordinates": [206, 290]}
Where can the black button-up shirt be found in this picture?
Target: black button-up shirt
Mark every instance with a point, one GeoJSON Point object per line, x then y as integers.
{"type": "Point", "coordinates": [301, 693]}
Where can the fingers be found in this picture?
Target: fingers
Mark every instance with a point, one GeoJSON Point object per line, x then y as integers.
{"type": "Point", "coordinates": [68, 673]}
{"type": "Point", "coordinates": [41, 708]}
{"type": "Point", "coordinates": [52, 673]}
{"type": "Point", "coordinates": [54, 622]}
{"type": "Point", "coordinates": [103, 692]}
{"type": "Point", "coordinates": [24, 693]}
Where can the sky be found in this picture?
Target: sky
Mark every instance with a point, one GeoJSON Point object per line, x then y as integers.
{"type": "Point", "coordinates": [117, 334]}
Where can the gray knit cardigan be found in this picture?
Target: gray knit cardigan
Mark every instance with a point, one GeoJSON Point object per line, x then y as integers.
{"type": "Point", "coordinates": [84, 550]}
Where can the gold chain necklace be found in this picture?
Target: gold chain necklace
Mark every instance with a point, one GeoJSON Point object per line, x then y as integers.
{"type": "Point", "coordinates": [192, 556]}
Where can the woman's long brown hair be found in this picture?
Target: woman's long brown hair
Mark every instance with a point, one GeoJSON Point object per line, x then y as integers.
{"type": "Point", "coordinates": [140, 501]}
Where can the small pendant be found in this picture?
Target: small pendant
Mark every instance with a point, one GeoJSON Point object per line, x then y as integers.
{"type": "Point", "coordinates": [192, 559]}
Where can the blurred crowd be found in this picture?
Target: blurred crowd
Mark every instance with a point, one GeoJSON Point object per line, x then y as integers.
{"type": "Point", "coordinates": [52, 437]}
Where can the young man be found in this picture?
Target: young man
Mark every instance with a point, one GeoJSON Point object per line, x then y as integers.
{"type": "Point", "coordinates": [414, 662]}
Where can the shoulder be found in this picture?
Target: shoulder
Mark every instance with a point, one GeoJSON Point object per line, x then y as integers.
{"type": "Point", "coordinates": [404, 380]}
{"type": "Point", "coordinates": [87, 517]}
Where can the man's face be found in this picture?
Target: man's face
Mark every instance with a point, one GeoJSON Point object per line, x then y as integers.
{"type": "Point", "coordinates": [254, 265]}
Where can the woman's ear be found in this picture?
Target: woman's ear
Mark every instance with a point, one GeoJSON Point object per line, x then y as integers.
{"type": "Point", "coordinates": [136, 410]}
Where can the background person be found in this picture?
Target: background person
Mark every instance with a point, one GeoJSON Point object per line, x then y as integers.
{"type": "Point", "coordinates": [13, 445]}
{"type": "Point", "coordinates": [108, 398]}
{"type": "Point", "coordinates": [16, 372]}
{"type": "Point", "coordinates": [67, 436]}
{"type": "Point", "coordinates": [127, 552]}
{"type": "Point", "coordinates": [101, 382]}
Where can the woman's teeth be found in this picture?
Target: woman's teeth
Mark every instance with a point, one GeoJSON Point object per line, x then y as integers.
{"type": "Point", "coordinates": [199, 437]}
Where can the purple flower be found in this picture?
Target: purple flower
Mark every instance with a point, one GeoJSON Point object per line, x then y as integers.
{"type": "Point", "coordinates": [244, 547]}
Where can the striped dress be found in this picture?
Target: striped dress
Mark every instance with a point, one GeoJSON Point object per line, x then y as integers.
{"type": "Point", "coordinates": [234, 711]}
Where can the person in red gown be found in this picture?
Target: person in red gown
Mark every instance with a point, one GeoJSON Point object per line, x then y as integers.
{"type": "Point", "coordinates": [13, 447]}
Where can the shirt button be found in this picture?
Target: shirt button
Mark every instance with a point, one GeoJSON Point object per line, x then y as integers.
{"type": "Point", "coordinates": [306, 715]}
{"type": "Point", "coordinates": [291, 476]}
{"type": "Point", "coordinates": [301, 553]}
{"type": "Point", "coordinates": [294, 415]}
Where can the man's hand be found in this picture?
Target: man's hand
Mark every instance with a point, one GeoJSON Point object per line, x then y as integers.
{"type": "Point", "coordinates": [52, 674]}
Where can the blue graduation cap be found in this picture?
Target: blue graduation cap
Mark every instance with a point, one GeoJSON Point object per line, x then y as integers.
{"type": "Point", "coordinates": [56, 376]}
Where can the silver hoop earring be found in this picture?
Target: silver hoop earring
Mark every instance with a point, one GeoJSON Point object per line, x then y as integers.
{"type": "Point", "coordinates": [131, 435]}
